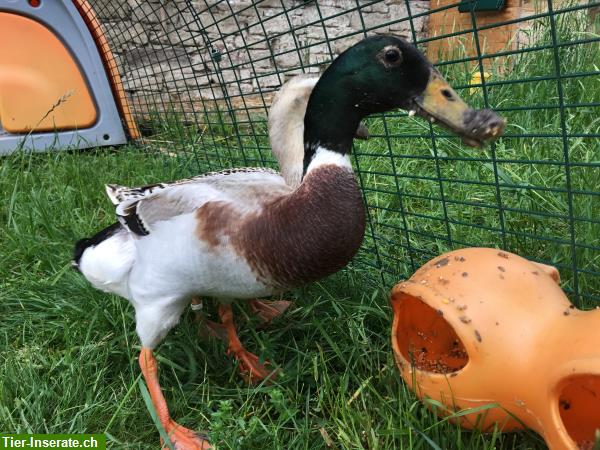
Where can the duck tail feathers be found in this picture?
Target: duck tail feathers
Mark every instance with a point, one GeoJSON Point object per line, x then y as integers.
{"type": "Point", "coordinates": [106, 259]}
{"type": "Point", "coordinates": [114, 192]}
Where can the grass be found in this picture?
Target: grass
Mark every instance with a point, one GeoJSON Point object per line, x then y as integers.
{"type": "Point", "coordinates": [68, 352]}
{"type": "Point", "coordinates": [68, 360]}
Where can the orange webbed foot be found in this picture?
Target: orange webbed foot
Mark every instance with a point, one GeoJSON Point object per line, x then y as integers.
{"type": "Point", "coordinates": [180, 437]}
{"type": "Point", "coordinates": [249, 365]}
{"type": "Point", "coordinates": [251, 368]}
{"type": "Point", "coordinates": [184, 439]}
{"type": "Point", "coordinates": [266, 310]}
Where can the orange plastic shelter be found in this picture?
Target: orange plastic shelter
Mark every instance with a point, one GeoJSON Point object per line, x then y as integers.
{"type": "Point", "coordinates": [59, 83]}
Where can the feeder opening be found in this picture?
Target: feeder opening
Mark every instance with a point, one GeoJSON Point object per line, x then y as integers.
{"type": "Point", "coordinates": [426, 340]}
{"type": "Point", "coordinates": [579, 406]}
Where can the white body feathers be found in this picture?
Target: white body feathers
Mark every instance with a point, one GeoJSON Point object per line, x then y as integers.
{"type": "Point", "coordinates": [160, 272]}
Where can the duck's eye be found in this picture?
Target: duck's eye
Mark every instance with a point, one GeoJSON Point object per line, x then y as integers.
{"type": "Point", "coordinates": [392, 55]}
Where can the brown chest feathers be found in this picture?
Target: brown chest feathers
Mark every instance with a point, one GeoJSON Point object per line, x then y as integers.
{"type": "Point", "coordinates": [308, 234]}
{"type": "Point", "coordinates": [297, 238]}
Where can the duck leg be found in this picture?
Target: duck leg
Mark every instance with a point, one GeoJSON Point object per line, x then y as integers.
{"type": "Point", "coordinates": [268, 310]}
{"type": "Point", "coordinates": [250, 367]}
{"type": "Point", "coordinates": [265, 310]}
{"type": "Point", "coordinates": [181, 438]}
{"type": "Point", "coordinates": [208, 328]}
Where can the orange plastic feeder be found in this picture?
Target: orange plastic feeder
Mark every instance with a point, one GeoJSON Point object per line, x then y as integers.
{"type": "Point", "coordinates": [487, 329]}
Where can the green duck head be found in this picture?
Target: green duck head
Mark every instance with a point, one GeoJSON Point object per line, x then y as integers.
{"type": "Point", "coordinates": [382, 73]}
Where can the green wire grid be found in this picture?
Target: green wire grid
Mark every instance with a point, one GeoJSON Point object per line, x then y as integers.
{"type": "Point", "coordinates": [201, 92]}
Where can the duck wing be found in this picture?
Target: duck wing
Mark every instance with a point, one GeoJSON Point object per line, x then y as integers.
{"type": "Point", "coordinates": [140, 207]}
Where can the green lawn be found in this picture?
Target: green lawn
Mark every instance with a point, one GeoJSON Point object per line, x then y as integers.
{"type": "Point", "coordinates": [68, 352]}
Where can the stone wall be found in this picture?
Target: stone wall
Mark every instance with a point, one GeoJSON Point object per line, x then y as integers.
{"type": "Point", "coordinates": [186, 54]}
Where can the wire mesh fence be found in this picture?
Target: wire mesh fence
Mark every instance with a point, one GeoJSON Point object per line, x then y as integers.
{"type": "Point", "coordinates": [200, 77]}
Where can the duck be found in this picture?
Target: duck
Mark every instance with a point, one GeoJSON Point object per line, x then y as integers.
{"type": "Point", "coordinates": [244, 233]}
{"type": "Point", "coordinates": [286, 139]}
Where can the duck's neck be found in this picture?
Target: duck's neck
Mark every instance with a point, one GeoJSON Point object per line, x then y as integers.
{"type": "Point", "coordinates": [330, 122]}
{"type": "Point", "coordinates": [323, 157]}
